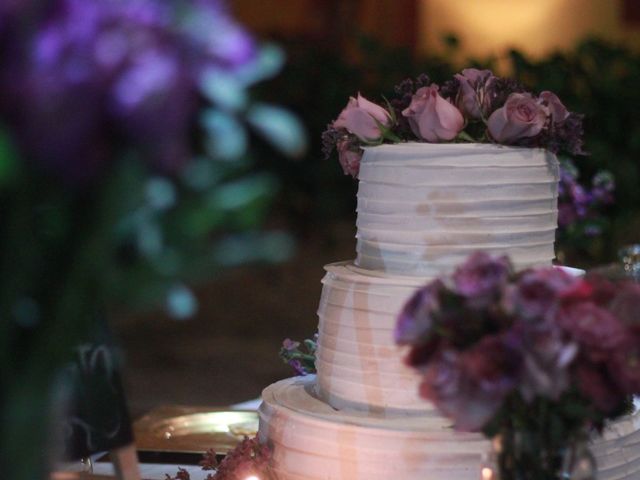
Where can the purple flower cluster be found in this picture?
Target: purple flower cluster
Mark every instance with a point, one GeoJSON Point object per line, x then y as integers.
{"type": "Point", "coordinates": [301, 358]}
{"type": "Point", "coordinates": [474, 106]}
{"type": "Point", "coordinates": [485, 334]}
{"type": "Point", "coordinates": [88, 77]}
{"type": "Point", "coordinates": [249, 458]}
{"type": "Point", "coordinates": [580, 205]}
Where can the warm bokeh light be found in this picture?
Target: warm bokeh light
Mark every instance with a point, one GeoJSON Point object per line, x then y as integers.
{"type": "Point", "coordinates": [487, 473]}
{"type": "Point", "coordinates": [252, 477]}
{"type": "Point", "coordinates": [488, 27]}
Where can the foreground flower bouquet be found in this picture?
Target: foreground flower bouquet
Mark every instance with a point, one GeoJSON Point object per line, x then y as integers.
{"type": "Point", "coordinates": [536, 360]}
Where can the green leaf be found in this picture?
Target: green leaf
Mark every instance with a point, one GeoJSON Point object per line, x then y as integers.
{"type": "Point", "coordinates": [267, 64]}
{"type": "Point", "coordinates": [227, 139]}
{"type": "Point", "coordinates": [224, 90]}
{"type": "Point", "coordinates": [279, 127]}
{"type": "Point", "coordinates": [237, 194]}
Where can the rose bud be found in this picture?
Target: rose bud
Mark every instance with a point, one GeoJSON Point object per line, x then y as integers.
{"type": "Point", "coordinates": [362, 118]}
{"type": "Point", "coordinates": [472, 98]}
{"type": "Point", "coordinates": [431, 117]}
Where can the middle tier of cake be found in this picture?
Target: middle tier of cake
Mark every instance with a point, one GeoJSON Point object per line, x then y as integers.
{"type": "Point", "coordinates": [359, 366]}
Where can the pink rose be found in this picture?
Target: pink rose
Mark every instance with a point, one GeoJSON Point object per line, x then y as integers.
{"type": "Point", "coordinates": [473, 99]}
{"type": "Point", "coordinates": [431, 117]}
{"type": "Point", "coordinates": [520, 117]}
{"type": "Point", "coordinates": [558, 111]}
{"type": "Point", "coordinates": [349, 157]}
{"type": "Point", "coordinates": [362, 118]}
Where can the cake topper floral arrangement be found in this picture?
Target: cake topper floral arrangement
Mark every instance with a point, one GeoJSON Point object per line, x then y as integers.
{"type": "Point", "coordinates": [473, 106]}
{"type": "Point", "coordinates": [539, 358]}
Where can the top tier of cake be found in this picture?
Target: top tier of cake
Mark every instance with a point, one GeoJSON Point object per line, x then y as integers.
{"type": "Point", "coordinates": [423, 208]}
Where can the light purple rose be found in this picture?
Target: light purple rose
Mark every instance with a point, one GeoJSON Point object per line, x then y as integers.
{"type": "Point", "coordinates": [363, 118]}
{"type": "Point", "coordinates": [473, 98]}
{"type": "Point", "coordinates": [349, 156]}
{"type": "Point", "coordinates": [431, 117]}
{"type": "Point", "coordinates": [481, 277]}
{"type": "Point", "coordinates": [558, 111]}
{"type": "Point", "coordinates": [520, 117]}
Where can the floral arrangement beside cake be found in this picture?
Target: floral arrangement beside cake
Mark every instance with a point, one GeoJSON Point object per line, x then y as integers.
{"type": "Point", "coordinates": [444, 172]}
{"type": "Point", "coordinates": [540, 358]}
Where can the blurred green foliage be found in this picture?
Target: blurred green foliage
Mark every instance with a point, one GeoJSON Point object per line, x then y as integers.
{"type": "Point", "coordinates": [596, 78]}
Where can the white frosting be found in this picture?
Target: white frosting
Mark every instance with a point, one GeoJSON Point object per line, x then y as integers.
{"type": "Point", "coordinates": [312, 441]}
{"type": "Point", "coordinates": [423, 208]}
{"type": "Point", "coordinates": [359, 365]}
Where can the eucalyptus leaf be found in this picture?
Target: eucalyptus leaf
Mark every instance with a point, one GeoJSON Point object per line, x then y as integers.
{"type": "Point", "coordinates": [224, 90]}
{"type": "Point", "coordinates": [279, 127]}
{"type": "Point", "coordinates": [267, 64]}
{"type": "Point", "coordinates": [226, 137]}
{"type": "Point", "coordinates": [242, 248]}
{"type": "Point", "coordinates": [237, 194]}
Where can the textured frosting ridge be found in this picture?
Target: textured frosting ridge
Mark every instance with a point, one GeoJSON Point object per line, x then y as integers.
{"type": "Point", "coordinates": [312, 441]}
{"type": "Point", "coordinates": [423, 208]}
{"type": "Point", "coordinates": [359, 366]}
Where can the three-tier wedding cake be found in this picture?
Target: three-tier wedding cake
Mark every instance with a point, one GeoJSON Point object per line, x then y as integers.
{"type": "Point", "coordinates": [445, 171]}
{"type": "Point", "coordinates": [422, 208]}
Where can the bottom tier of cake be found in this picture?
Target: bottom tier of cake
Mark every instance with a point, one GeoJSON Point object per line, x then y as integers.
{"type": "Point", "coordinates": [312, 441]}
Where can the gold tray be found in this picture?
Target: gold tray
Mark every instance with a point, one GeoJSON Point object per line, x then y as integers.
{"type": "Point", "coordinates": [194, 429]}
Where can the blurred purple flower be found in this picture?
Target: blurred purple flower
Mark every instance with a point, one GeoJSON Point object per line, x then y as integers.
{"type": "Point", "coordinates": [594, 328]}
{"type": "Point", "coordinates": [626, 305]}
{"type": "Point", "coordinates": [470, 386]}
{"type": "Point", "coordinates": [577, 203]}
{"type": "Point", "coordinates": [94, 78]}
{"type": "Point", "coordinates": [547, 358]}
{"type": "Point", "coordinates": [415, 320]}
{"type": "Point", "coordinates": [536, 292]}
{"type": "Point", "coordinates": [624, 366]}
{"type": "Point", "coordinates": [481, 278]}
{"type": "Point", "coordinates": [596, 384]}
